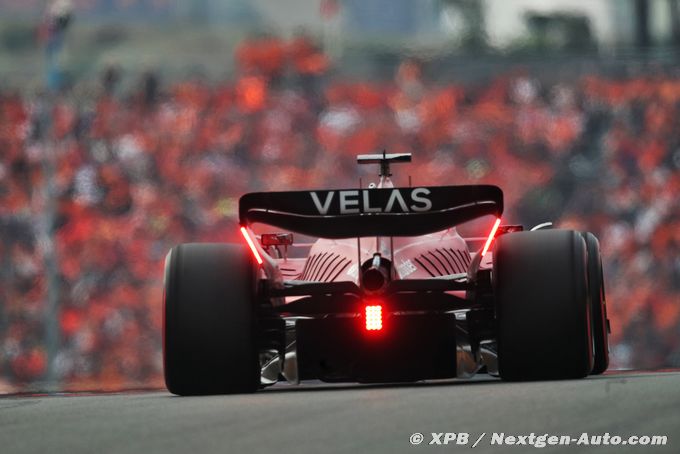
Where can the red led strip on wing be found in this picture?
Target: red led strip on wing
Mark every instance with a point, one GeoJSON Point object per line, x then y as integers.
{"type": "Point", "coordinates": [251, 244]}
{"type": "Point", "coordinates": [491, 236]}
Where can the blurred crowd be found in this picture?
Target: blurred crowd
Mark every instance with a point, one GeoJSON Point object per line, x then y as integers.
{"type": "Point", "coordinates": [106, 181]}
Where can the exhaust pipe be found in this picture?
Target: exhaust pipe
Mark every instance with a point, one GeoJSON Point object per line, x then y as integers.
{"type": "Point", "coordinates": [375, 275]}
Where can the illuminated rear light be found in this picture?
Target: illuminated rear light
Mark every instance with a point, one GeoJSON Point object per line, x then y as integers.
{"type": "Point", "coordinates": [374, 318]}
{"type": "Point", "coordinates": [251, 244]}
{"type": "Point", "coordinates": [491, 236]}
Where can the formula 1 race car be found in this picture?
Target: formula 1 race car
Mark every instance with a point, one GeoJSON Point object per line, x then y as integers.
{"type": "Point", "coordinates": [390, 292]}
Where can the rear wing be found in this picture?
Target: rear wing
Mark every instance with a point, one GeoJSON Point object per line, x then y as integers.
{"type": "Point", "coordinates": [347, 213]}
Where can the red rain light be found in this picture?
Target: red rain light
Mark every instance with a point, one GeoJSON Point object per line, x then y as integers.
{"type": "Point", "coordinates": [491, 236]}
{"type": "Point", "coordinates": [251, 244]}
{"type": "Point", "coordinates": [374, 318]}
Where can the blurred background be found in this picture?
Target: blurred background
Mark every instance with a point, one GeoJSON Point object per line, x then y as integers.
{"type": "Point", "coordinates": [128, 126]}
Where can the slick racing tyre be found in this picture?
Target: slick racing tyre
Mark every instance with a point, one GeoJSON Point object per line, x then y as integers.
{"type": "Point", "coordinates": [209, 344]}
{"type": "Point", "coordinates": [541, 287]}
{"type": "Point", "coordinates": [597, 305]}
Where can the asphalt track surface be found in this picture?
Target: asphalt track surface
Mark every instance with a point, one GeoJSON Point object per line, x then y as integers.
{"type": "Point", "coordinates": [321, 418]}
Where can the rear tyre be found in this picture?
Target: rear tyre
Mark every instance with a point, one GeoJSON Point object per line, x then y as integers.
{"type": "Point", "coordinates": [597, 305]}
{"type": "Point", "coordinates": [541, 287]}
{"type": "Point", "coordinates": [209, 344]}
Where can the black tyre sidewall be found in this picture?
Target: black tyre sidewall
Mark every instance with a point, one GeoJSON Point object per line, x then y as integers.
{"type": "Point", "coordinates": [597, 304]}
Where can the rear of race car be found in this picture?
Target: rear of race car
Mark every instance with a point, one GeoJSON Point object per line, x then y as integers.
{"type": "Point", "coordinates": [390, 292]}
